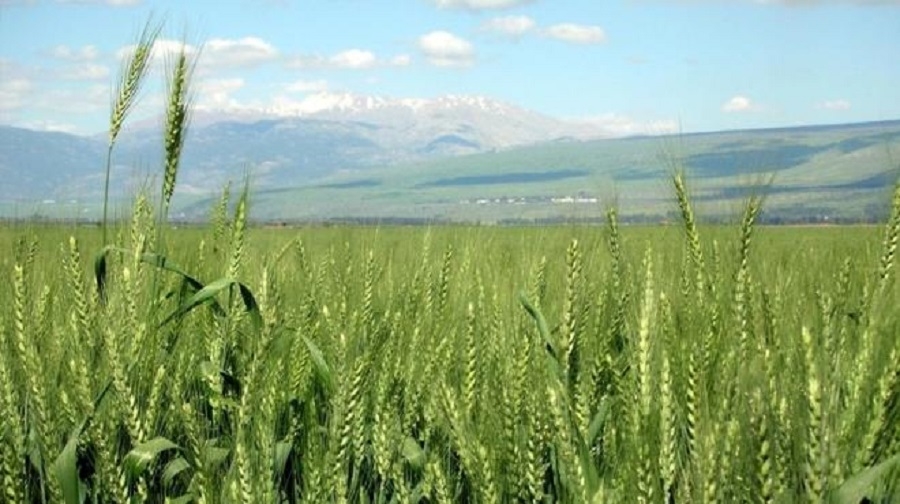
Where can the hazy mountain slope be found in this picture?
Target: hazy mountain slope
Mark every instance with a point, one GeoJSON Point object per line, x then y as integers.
{"type": "Point", "coordinates": [273, 152]}
{"type": "Point", "coordinates": [818, 173]}
{"type": "Point", "coordinates": [41, 165]}
{"type": "Point", "coordinates": [366, 156]}
{"type": "Point", "coordinates": [336, 133]}
{"type": "Point", "coordinates": [473, 123]}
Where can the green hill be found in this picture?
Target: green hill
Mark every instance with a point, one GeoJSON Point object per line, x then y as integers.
{"type": "Point", "coordinates": [822, 173]}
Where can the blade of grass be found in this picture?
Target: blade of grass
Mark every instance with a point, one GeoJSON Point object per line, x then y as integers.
{"type": "Point", "coordinates": [139, 458]}
{"type": "Point", "coordinates": [856, 487]}
{"type": "Point", "coordinates": [207, 295]}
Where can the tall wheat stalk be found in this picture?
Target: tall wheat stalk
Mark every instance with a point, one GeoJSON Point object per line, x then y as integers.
{"type": "Point", "coordinates": [177, 118]}
{"type": "Point", "coordinates": [131, 79]}
{"type": "Point", "coordinates": [891, 239]}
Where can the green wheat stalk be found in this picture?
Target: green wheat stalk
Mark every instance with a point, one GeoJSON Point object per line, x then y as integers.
{"type": "Point", "coordinates": [131, 79]}
{"type": "Point", "coordinates": [177, 119]}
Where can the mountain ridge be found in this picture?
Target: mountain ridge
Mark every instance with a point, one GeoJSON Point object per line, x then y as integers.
{"type": "Point", "coordinates": [360, 138]}
{"type": "Point", "coordinates": [334, 132]}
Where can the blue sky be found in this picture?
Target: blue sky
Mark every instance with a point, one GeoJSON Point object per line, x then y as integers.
{"type": "Point", "coordinates": [634, 66]}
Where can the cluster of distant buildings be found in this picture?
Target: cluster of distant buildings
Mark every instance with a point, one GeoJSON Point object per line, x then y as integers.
{"type": "Point", "coordinates": [526, 200]}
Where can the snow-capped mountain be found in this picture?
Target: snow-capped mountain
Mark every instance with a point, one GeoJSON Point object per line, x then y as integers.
{"type": "Point", "coordinates": [451, 124]}
{"type": "Point", "coordinates": [326, 103]}
{"type": "Point", "coordinates": [294, 142]}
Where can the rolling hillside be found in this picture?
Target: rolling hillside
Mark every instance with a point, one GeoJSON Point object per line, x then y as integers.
{"type": "Point", "coordinates": [459, 159]}
{"type": "Point", "coordinates": [824, 173]}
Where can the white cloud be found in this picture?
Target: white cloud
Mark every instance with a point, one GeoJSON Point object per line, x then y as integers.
{"type": "Point", "coordinates": [66, 53]}
{"type": "Point", "coordinates": [217, 53]}
{"type": "Point", "coordinates": [305, 86]}
{"type": "Point", "coordinates": [834, 105]}
{"type": "Point", "coordinates": [285, 105]}
{"type": "Point", "coordinates": [575, 33]}
{"type": "Point", "coordinates": [78, 100]}
{"type": "Point", "coordinates": [738, 103]}
{"type": "Point", "coordinates": [445, 49]}
{"type": "Point", "coordinates": [509, 26]}
{"type": "Point", "coordinates": [247, 51]}
{"type": "Point", "coordinates": [477, 5]}
{"type": "Point", "coordinates": [81, 63]}
{"type": "Point", "coordinates": [16, 89]}
{"type": "Point", "coordinates": [51, 95]}
{"type": "Point", "coordinates": [354, 58]}
{"type": "Point", "coordinates": [165, 48]}
{"type": "Point", "coordinates": [216, 93]}
{"type": "Point", "coordinates": [14, 93]}
{"type": "Point", "coordinates": [162, 49]}
{"type": "Point", "coordinates": [619, 125]}
{"type": "Point", "coordinates": [350, 59]}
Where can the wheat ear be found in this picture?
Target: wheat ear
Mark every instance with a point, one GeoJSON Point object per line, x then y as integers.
{"type": "Point", "coordinates": [131, 78]}
{"type": "Point", "coordinates": [177, 119]}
